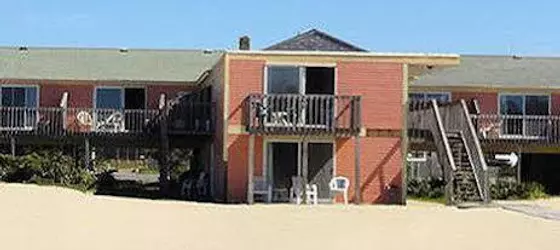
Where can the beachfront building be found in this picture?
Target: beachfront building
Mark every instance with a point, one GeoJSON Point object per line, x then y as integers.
{"type": "Point", "coordinates": [309, 108]}
{"type": "Point", "coordinates": [514, 105]}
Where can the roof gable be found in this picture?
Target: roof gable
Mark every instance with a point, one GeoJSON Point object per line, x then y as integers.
{"type": "Point", "coordinates": [315, 40]}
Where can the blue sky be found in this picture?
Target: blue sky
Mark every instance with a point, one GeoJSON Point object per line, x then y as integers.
{"type": "Point", "coordinates": [474, 26]}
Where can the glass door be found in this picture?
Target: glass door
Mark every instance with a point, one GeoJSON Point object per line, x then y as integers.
{"type": "Point", "coordinates": [512, 109]}
{"type": "Point", "coordinates": [537, 112]}
{"type": "Point", "coordinates": [109, 104]}
{"type": "Point", "coordinates": [320, 168]}
{"type": "Point", "coordinates": [284, 89]}
{"type": "Point", "coordinates": [282, 164]}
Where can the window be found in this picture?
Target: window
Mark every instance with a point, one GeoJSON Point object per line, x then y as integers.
{"type": "Point", "coordinates": [19, 96]}
{"type": "Point", "coordinates": [21, 102]}
{"type": "Point", "coordinates": [427, 96]}
{"type": "Point", "coordinates": [519, 112]}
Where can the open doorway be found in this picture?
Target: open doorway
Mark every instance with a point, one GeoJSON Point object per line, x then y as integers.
{"type": "Point", "coordinates": [319, 81]}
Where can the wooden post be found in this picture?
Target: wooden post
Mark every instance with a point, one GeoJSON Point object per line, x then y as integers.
{"type": "Point", "coordinates": [251, 169]}
{"type": "Point", "coordinates": [164, 168]}
{"type": "Point", "coordinates": [87, 154]}
{"type": "Point", "coordinates": [519, 165]}
{"type": "Point", "coordinates": [305, 167]}
{"type": "Point", "coordinates": [13, 146]}
{"type": "Point", "coordinates": [357, 174]}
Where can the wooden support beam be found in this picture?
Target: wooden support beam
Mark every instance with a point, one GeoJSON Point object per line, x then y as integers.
{"type": "Point", "coordinates": [357, 174]}
{"type": "Point", "coordinates": [164, 168]}
{"type": "Point", "coordinates": [305, 167]}
{"type": "Point", "coordinates": [251, 169]}
{"type": "Point", "coordinates": [13, 146]}
{"type": "Point", "coordinates": [87, 154]}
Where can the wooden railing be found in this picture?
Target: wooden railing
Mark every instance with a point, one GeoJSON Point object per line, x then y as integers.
{"type": "Point", "coordinates": [456, 117]}
{"type": "Point", "coordinates": [424, 120]}
{"type": "Point", "coordinates": [302, 114]}
{"type": "Point", "coordinates": [518, 127]}
{"type": "Point", "coordinates": [436, 119]}
{"type": "Point", "coordinates": [192, 118]}
{"type": "Point", "coordinates": [73, 121]}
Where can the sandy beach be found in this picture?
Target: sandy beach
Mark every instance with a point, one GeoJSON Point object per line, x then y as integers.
{"type": "Point", "coordinates": [33, 217]}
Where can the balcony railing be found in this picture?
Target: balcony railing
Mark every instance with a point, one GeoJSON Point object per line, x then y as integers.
{"type": "Point", "coordinates": [302, 114]}
{"type": "Point", "coordinates": [72, 121]}
{"type": "Point", "coordinates": [512, 127]}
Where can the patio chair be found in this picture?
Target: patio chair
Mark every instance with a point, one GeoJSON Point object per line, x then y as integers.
{"type": "Point", "coordinates": [340, 184]}
{"type": "Point", "coordinates": [113, 123]}
{"type": "Point", "coordinates": [262, 187]}
{"type": "Point", "coordinates": [297, 192]}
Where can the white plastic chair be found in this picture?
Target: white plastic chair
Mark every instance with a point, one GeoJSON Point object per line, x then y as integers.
{"type": "Point", "coordinates": [296, 192]}
{"type": "Point", "coordinates": [340, 184]}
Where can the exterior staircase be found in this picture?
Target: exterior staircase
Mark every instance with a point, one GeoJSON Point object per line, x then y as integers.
{"type": "Point", "coordinates": [456, 143]}
{"type": "Point", "coordinates": [464, 180]}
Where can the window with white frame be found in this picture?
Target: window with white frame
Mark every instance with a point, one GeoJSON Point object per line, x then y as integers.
{"type": "Point", "coordinates": [18, 106]}
{"type": "Point", "coordinates": [520, 114]}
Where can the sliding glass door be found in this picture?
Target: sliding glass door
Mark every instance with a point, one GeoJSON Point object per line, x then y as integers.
{"type": "Point", "coordinates": [524, 115]}
{"type": "Point", "coordinates": [284, 160]}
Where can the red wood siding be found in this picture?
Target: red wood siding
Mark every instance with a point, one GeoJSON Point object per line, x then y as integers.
{"type": "Point", "coordinates": [79, 96]}
{"type": "Point", "coordinates": [170, 91]}
{"type": "Point", "coordinates": [555, 103]}
{"type": "Point", "coordinates": [246, 77]}
{"type": "Point", "coordinates": [488, 100]}
{"type": "Point", "coordinates": [381, 88]}
{"type": "Point", "coordinates": [381, 168]}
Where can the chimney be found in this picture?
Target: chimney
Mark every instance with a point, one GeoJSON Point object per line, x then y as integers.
{"type": "Point", "coordinates": [244, 43]}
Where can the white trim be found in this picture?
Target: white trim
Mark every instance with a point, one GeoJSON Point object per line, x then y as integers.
{"type": "Point", "coordinates": [426, 93]}
{"type": "Point", "coordinates": [339, 53]}
{"type": "Point", "coordinates": [524, 96]}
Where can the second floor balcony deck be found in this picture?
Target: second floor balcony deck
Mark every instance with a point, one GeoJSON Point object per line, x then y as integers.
{"type": "Point", "coordinates": [192, 118]}
{"type": "Point", "coordinates": [294, 114]}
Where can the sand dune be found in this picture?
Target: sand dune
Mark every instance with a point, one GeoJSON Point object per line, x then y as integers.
{"type": "Point", "coordinates": [33, 217]}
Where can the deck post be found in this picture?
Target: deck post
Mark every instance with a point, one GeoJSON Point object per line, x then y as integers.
{"type": "Point", "coordinates": [164, 169]}
{"type": "Point", "coordinates": [13, 146]}
{"type": "Point", "coordinates": [305, 167]}
{"type": "Point", "coordinates": [357, 174]}
{"type": "Point", "coordinates": [251, 169]}
{"type": "Point", "coordinates": [87, 154]}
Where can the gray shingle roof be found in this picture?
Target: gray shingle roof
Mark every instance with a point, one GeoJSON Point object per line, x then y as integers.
{"type": "Point", "coordinates": [105, 64]}
{"type": "Point", "coordinates": [497, 71]}
{"type": "Point", "coordinates": [314, 40]}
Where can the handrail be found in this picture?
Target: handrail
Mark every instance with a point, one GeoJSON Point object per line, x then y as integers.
{"type": "Point", "coordinates": [302, 114]}
{"type": "Point", "coordinates": [477, 160]}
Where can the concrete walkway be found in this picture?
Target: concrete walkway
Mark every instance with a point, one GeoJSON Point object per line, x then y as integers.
{"type": "Point", "coordinates": [534, 210]}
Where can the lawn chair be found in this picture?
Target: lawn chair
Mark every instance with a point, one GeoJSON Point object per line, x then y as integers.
{"type": "Point", "coordinates": [262, 187]}
{"type": "Point", "coordinates": [340, 184]}
{"type": "Point", "coordinates": [297, 192]}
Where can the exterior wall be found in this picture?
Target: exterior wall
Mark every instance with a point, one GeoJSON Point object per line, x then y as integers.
{"type": "Point", "coordinates": [170, 91]}
{"type": "Point", "coordinates": [245, 77]}
{"type": "Point", "coordinates": [218, 170]}
{"type": "Point", "coordinates": [80, 93]}
{"type": "Point", "coordinates": [381, 168]}
{"type": "Point", "coordinates": [488, 100]}
{"type": "Point", "coordinates": [381, 88]}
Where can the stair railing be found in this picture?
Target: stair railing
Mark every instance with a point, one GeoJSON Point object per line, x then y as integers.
{"type": "Point", "coordinates": [456, 117]}
{"type": "Point", "coordinates": [426, 116]}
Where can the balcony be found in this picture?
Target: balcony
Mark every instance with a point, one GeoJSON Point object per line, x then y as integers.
{"type": "Point", "coordinates": [493, 127]}
{"type": "Point", "coordinates": [294, 114]}
{"type": "Point", "coordinates": [73, 121]}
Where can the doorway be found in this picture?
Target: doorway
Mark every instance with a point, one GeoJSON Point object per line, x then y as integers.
{"type": "Point", "coordinates": [284, 159]}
